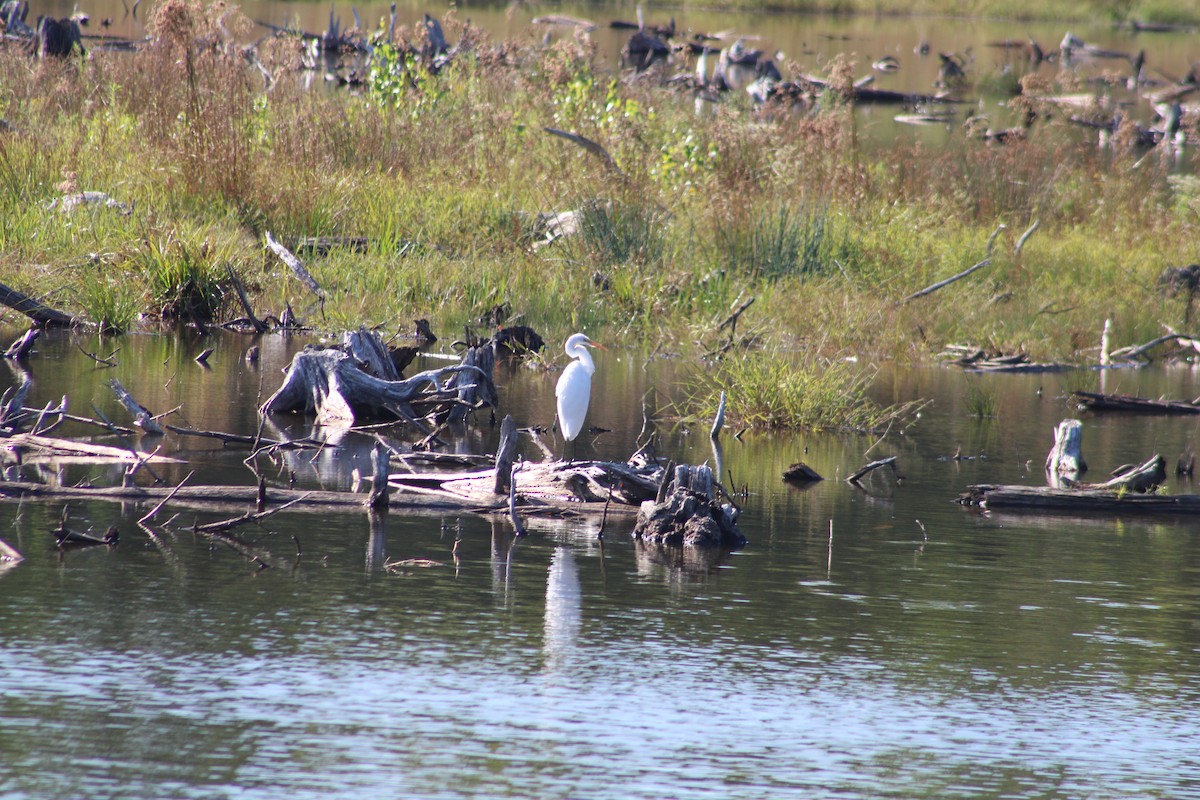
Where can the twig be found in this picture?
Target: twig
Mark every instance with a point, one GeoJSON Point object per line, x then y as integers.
{"type": "Point", "coordinates": [986, 261]}
{"type": "Point", "coordinates": [251, 516]}
{"type": "Point", "coordinates": [106, 361]}
{"type": "Point", "coordinates": [947, 282]}
{"type": "Point", "coordinates": [165, 500]}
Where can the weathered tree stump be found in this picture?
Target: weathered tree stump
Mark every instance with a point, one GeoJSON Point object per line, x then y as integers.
{"type": "Point", "coordinates": [1066, 457]}
{"type": "Point", "coordinates": [360, 379]}
{"type": "Point", "coordinates": [689, 516]}
{"type": "Point", "coordinates": [332, 385]}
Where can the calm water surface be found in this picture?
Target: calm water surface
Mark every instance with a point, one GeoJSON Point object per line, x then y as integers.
{"type": "Point", "coordinates": [924, 650]}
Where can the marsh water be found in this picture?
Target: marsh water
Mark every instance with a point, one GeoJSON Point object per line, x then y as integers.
{"type": "Point", "coordinates": [868, 642]}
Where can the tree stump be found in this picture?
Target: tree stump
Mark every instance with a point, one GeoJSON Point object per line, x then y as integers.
{"type": "Point", "coordinates": [1066, 457]}
{"type": "Point", "coordinates": [689, 516]}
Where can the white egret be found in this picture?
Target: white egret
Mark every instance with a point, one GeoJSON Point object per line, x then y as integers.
{"type": "Point", "coordinates": [574, 388]}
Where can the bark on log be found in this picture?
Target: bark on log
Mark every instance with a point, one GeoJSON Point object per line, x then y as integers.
{"type": "Point", "coordinates": [31, 308]}
{"type": "Point", "coordinates": [1066, 457]}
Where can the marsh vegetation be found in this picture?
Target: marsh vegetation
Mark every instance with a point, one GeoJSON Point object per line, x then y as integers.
{"type": "Point", "coordinates": [438, 176]}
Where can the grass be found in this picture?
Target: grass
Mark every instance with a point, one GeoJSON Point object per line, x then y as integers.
{"type": "Point", "coordinates": [773, 390]}
{"type": "Point", "coordinates": [442, 172]}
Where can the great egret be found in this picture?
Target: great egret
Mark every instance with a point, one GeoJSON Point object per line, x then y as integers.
{"type": "Point", "coordinates": [575, 386]}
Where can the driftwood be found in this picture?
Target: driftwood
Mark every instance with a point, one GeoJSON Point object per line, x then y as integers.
{"type": "Point", "coordinates": [43, 315]}
{"type": "Point", "coordinates": [331, 384]}
{"type": "Point", "coordinates": [801, 473]}
{"type": "Point", "coordinates": [505, 455]}
{"type": "Point", "coordinates": [1141, 351]}
{"type": "Point", "coordinates": [9, 554]}
{"type": "Point", "coordinates": [1137, 478]}
{"type": "Point", "coordinates": [22, 345]}
{"type": "Point", "coordinates": [141, 415]}
{"type": "Point", "coordinates": [1140, 405]}
{"type": "Point", "coordinates": [688, 515]}
{"type": "Point", "coordinates": [380, 460]}
{"type": "Point", "coordinates": [12, 404]}
{"type": "Point", "coordinates": [578, 486]}
{"type": "Point", "coordinates": [66, 538]}
{"type": "Point", "coordinates": [866, 469]}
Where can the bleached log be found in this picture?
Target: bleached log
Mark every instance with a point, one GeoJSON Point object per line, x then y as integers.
{"type": "Point", "coordinates": [50, 448]}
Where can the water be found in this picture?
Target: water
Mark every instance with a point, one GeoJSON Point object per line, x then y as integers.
{"type": "Point", "coordinates": [924, 649]}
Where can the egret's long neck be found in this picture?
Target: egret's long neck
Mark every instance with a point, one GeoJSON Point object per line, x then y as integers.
{"type": "Point", "coordinates": [585, 358]}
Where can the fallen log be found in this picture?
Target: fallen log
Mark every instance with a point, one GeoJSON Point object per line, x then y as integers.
{"type": "Point", "coordinates": [578, 485]}
{"type": "Point", "coordinates": [1082, 500]}
{"type": "Point", "coordinates": [22, 446]}
{"type": "Point", "coordinates": [43, 315]}
{"type": "Point", "coordinates": [1118, 402]}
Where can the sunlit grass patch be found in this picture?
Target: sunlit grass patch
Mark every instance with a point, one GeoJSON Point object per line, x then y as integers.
{"type": "Point", "coordinates": [786, 390]}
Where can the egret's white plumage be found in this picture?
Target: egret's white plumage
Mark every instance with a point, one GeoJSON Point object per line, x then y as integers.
{"type": "Point", "coordinates": [575, 386]}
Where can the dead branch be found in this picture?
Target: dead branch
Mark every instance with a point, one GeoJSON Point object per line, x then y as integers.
{"type": "Point", "coordinates": [1025, 237]}
{"type": "Point", "coordinates": [296, 266]}
{"type": "Point", "coordinates": [165, 500]}
{"type": "Point", "coordinates": [141, 415]}
{"type": "Point", "coordinates": [858, 474]}
{"type": "Point", "coordinates": [592, 147]}
{"type": "Point", "coordinates": [250, 516]}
